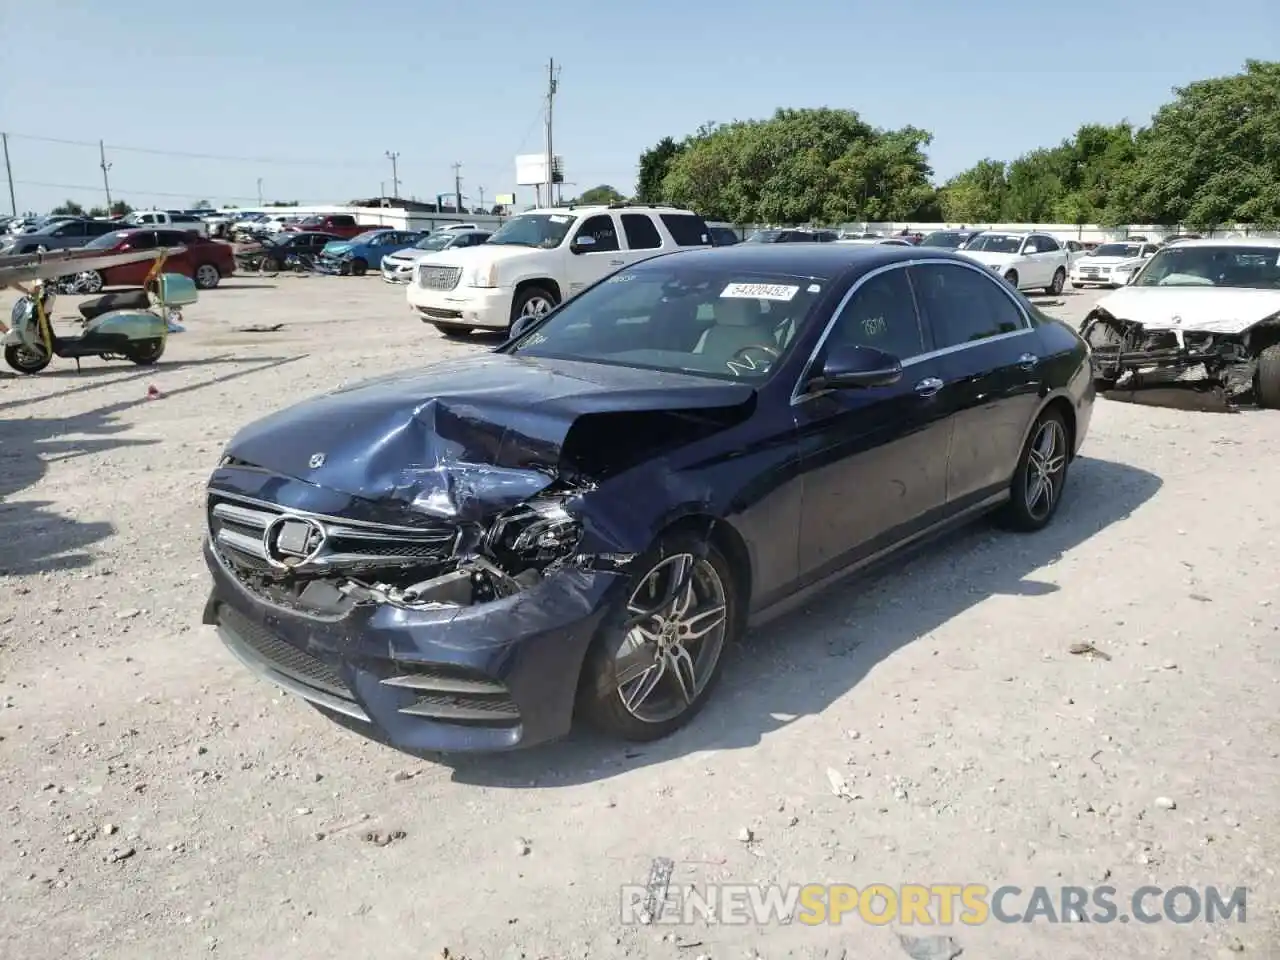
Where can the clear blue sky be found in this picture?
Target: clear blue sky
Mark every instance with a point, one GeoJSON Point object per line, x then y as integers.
{"type": "Point", "coordinates": [336, 85]}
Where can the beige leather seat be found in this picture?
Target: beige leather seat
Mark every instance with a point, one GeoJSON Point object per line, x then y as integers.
{"type": "Point", "coordinates": [739, 323]}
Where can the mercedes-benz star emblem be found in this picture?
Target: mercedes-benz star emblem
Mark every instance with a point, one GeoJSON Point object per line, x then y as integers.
{"type": "Point", "coordinates": [291, 541]}
{"type": "Point", "coordinates": [316, 461]}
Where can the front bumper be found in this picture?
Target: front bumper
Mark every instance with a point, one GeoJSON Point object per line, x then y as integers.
{"type": "Point", "coordinates": [488, 307]}
{"type": "Point", "coordinates": [397, 271]}
{"type": "Point", "coordinates": [489, 677]}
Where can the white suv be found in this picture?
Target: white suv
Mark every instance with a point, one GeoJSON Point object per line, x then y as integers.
{"type": "Point", "coordinates": [1029, 261]}
{"type": "Point", "coordinates": [540, 258]}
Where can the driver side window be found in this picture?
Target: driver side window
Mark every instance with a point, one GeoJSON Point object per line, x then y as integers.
{"type": "Point", "coordinates": [881, 314]}
{"type": "Point", "coordinates": [602, 230]}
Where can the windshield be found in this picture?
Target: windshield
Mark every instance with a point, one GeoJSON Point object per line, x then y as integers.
{"type": "Point", "coordinates": [435, 241]}
{"type": "Point", "coordinates": [945, 239]}
{"type": "Point", "coordinates": [545, 230]}
{"type": "Point", "coordinates": [1253, 268]}
{"type": "Point", "coordinates": [1125, 250]}
{"type": "Point", "coordinates": [995, 243]}
{"type": "Point", "coordinates": [713, 321]}
{"type": "Point", "coordinates": [107, 240]}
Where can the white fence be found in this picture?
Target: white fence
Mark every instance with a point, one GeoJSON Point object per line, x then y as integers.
{"type": "Point", "coordinates": [1089, 232]}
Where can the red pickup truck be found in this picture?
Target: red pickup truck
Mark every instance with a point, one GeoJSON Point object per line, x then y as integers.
{"type": "Point", "coordinates": [338, 224]}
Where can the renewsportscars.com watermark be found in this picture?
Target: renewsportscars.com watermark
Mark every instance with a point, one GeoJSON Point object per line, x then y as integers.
{"type": "Point", "coordinates": [937, 904]}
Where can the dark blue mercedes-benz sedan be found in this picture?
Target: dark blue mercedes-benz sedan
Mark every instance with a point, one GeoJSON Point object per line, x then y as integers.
{"type": "Point", "coordinates": [464, 557]}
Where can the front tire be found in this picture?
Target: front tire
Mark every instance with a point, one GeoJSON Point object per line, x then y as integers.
{"type": "Point", "coordinates": [657, 656]}
{"type": "Point", "coordinates": [359, 267]}
{"type": "Point", "coordinates": [25, 360]}
{"type": "Point", "coordinates": [1011, 278]}
{"type": "Point", "coordinates": [532, 302]}
{"type": "Point", "coordinates": [1268, 377]}
{"type": "Point", "coordinates": [1059, 281]}
{"type": "Point", "coordinates": [1036, 488]}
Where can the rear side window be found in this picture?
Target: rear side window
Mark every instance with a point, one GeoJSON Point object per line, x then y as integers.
{"type": "Point", "coordinates": [963, 305]}
{"type": "Point", "coordinates": [343, 221]}
{"type": "Point", "coordinates": [687, 230]}
{"type": "Point", "coordinates": [640, 231]}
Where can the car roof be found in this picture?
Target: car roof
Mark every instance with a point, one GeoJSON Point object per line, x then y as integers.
{"type": "Point", "coordinates": [825, 260]}
{"type": "Point", "coordinates": [1264, 243]}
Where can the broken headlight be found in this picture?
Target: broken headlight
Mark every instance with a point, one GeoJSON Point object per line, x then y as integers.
{"type": "Point", "coordinates": [534, 534]}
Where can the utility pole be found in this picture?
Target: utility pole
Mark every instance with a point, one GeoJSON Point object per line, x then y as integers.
{"type": "Point", "coordinates": [553, 78]}
{"type": "Point", "coordinates": [395, 175]}
{"type": "Point", "coordinates": [480, 190]}
{"type": "Point", "coordinates": [259, 191]}
{"type": "Point", "coordinates": [457, 186]}
{"type": "Point", "coordinates": [8, 171]}
{"type": "Point", "coordinates": [106, 184]}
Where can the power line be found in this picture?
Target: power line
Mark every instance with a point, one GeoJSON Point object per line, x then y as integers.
{"type": "Point", "coordinates": [119, 191]}
{"type": "Point", "coordinates": [279, 161]}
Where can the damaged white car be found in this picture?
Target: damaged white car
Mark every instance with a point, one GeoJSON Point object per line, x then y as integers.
{"type": "Point", "coordinates": [1204, 314]}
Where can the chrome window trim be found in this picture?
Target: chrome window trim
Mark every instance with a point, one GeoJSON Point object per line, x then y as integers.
{"type": "Point", "coordinates": [797, 397]}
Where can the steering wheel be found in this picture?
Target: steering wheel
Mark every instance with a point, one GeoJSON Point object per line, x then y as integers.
{"type": "Point", "coordinates": [741, 359]}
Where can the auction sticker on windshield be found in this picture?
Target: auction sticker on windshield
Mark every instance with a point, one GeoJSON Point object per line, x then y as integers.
{"type": "Point", "coordinates": [760, 291]}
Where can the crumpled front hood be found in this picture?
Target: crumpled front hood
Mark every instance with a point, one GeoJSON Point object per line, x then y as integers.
{"type": "Point", "coordinates": [1202, 309]}
{"type": "Point", "coordinates": [336, 249]}
{"type": "Point", "coordinates": [990, 259]}
{"type": "Point", "coordinates": [465, 438]}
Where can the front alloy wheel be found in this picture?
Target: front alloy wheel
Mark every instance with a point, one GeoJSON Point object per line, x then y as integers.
{"type": "Point", "coordinates": [653, 667]}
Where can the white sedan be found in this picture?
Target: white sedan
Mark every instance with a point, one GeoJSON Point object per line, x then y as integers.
{"type": "Point", "coordinates": [1111, 264]}
{"type": "Point", "coordinates": [1028, 261]}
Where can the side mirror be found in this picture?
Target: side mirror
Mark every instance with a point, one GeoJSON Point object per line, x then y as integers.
{"type": "Point", "coordinates": [582, 244]}
{"type": "Point", "coordinates": [850, 366]}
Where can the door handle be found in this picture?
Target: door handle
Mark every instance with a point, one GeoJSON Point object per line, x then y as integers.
{"type": "Point", "coordinates": [615, 263]}
{"type": "Point", "coordinates": [928, 387]}
{"type": "Point", "coordinates": [1028, 361]}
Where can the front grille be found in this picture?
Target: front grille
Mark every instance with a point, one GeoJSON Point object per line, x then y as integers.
{"type": "Point", "coordinates": [257, 539]}
{"type": "Point", "coordinates": [438, 278]}
{"type": "Point", "coordinates": [284, 658]}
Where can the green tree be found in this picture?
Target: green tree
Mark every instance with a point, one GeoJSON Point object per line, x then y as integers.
{"type": "Point", "coordinates": [601, 194]}
{"type": "Point", "coordinates": [809, 165]}
{"type": "Point", "coordinates": [655, 164]}
{"type": "Point", "coordinates": [68, 208]}
{"type": "Point", "coordinates": [976, 195]}
{"type": "Point", "coordinates": [202, 205]}
{"type": "Point", "coordinates": [119, 208]}
{"type": "Point", "coordinates": [1212, 156]}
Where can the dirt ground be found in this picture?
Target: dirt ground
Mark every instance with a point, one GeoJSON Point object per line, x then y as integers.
{"type": "Point", "coordinates": [160, 801]}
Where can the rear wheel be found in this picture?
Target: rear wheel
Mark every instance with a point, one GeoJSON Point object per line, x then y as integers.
{"type": "Point", "coordinates": [1268, 377]}
{"type": "Point", "coordinates": [24, 359]}
{"type": "Point", "coordinates": [1036, 488]}
{"type": "Point", "coordinates": [1011, 278]}
{"type": "Point", "coordinates": [453, 331]}
{"type": "Point", "coordinates": [1059, 281]}
{"type": "Point", "coordinates": [145, 352]}
{"type": "Point", "coordinates": [207, 276]}
{"type": "Point", "coordinates": [657, 657]}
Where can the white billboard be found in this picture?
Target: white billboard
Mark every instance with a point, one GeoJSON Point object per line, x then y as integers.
{"type": "Point", "coordinates": [531, 169]}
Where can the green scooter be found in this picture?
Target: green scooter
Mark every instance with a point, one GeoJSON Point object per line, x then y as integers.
{"type": "Point", "coordinates": [133, 325]}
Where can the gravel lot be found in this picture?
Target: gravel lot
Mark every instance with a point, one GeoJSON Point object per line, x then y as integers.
{"type": "Point", "coordinates": [160, 801]}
